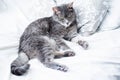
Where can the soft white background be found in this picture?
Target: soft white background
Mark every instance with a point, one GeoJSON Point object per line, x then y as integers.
{"type": "Point", "coordinates": [100, 62]}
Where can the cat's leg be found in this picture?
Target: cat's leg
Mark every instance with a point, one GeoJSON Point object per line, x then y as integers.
{"type": "Point", "coordinates": [61, 45]}
{"type": "Point", "coordinates": [66, 51]}
{"type": "Point", "coordinates": [56, 66]}
{"type": "Point", "coordinates": [20, 65]}
{"type": "Point", "coordinates": [83, 43]}
{"type": "Point", "coordinates": [46, 56]}
{"type": "Point", "coordinates": [64, 54]}
{"type": "Point", "coordinates": [47, 60]}
{"type": "Point", "coordinates": [72, 33]}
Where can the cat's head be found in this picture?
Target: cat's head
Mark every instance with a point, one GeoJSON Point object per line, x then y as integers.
{"type": "Point", "coordinates": [64, 14]}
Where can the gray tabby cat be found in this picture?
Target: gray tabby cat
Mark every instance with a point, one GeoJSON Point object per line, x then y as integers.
{"type": "Point", "coordinates": [43, 39]}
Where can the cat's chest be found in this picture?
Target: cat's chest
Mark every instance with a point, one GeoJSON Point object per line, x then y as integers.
{"type": "Point", "coordinates": [59, 30]}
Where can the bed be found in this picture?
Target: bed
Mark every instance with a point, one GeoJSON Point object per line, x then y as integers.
{"type": "Point", "coordinates": [101, 61]}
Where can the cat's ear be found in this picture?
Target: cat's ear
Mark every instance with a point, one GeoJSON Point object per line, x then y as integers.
{"type": "Point", "coordinates": [70, 5]}
{"type": "Point", "coordinates": [55, 10]}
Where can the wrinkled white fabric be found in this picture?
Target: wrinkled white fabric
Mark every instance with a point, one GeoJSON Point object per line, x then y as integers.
{"type": "Point", "coordinates": [100, 62]}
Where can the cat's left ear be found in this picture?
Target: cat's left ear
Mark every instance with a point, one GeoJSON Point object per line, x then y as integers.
{"type": "Point", "coordinates": [70, 5]}
{"type": "Point", "coordinates": [55, 9]}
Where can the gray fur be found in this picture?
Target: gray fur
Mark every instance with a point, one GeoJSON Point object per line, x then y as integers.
{"type": "Point", "coordinates": [43, 39]}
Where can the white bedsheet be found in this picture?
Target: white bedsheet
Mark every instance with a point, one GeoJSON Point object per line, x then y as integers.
{"type": "Point", "coordinates": [100, 62]}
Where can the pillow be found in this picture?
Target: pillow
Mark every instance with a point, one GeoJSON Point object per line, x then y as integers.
{"type": "Point", "coordinates": [112, 20]}
{"type": "Point", "coordinates": [90, 14]}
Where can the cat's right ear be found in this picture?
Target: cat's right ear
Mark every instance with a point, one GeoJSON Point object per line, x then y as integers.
{"type": "Point", "coordinates": [55, 10]}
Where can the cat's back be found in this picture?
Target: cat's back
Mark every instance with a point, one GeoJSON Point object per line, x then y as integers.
{"type": "Point", "coordinates": [38, 27]}
{"type": "Point", "coordinates": [39, 23]}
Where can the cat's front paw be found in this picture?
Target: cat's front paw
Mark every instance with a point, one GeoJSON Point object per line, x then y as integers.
{"type": "Point", "coordinates": [84, 44]}
{"type": "Point", "coordinates": [62, 68]}
{"type": "Point", "coordinates": [69, 53]}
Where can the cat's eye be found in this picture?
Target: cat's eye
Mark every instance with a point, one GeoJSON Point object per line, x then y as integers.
{"type": "Point", "coordinates": [70, 8]}
{"type": "Point", "coordinates": [58, 12]}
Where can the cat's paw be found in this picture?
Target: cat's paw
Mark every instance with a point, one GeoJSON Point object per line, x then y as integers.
{"type": "Point", "coordinates": [62, 68]}
{"type": "Point", "coordinates": [84, 44]}
{"type": "Point", "coordinates": [69, 53]}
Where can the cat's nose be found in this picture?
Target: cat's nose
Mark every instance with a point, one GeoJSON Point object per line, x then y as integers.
{"type": "Point", "coordinates": [67, 23]}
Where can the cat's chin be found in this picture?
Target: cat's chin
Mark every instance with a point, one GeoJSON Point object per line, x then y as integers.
{"type": "Point", "coordinates": [66, 25]}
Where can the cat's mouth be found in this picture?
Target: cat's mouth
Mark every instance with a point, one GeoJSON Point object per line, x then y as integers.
{"type": "Point", "coordinates": [67, 24]}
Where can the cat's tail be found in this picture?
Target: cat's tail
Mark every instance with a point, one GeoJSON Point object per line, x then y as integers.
{"type": "Point", "coordinates": [19, 66]}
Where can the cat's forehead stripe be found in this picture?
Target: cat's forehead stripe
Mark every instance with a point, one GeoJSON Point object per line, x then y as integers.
{"type": "Point", "coordinates": [63, 7]}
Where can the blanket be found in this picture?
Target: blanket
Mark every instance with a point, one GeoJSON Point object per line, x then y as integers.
{"type": "Point", "coordinates": [101, 61]}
